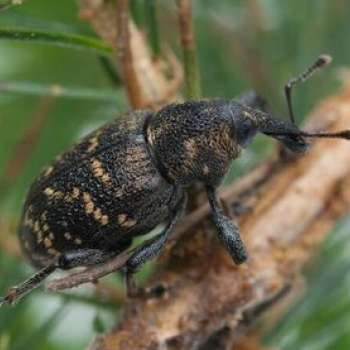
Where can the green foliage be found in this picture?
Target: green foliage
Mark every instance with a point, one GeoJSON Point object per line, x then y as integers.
{"type": "Point", "coordinates": [60, 39]}
{"type": "Point", "coordinates": [238, 48]}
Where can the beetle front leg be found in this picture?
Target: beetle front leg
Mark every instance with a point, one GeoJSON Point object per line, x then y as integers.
{"type": "Point", "coordinates": [149, 250]}
{"type": "Point", "coordinates": [228, 232]}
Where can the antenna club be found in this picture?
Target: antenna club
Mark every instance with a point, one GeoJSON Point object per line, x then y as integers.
{"type": "Point", "coordinates": [324, 60]}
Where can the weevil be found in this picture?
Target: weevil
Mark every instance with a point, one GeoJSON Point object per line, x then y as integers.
{"type": "Point", "coordinates": [131, 175]}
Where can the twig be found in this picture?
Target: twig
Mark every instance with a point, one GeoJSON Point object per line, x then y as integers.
{"type": "Point", "coordinates": [192, 78]}
{"type": "Point", "coordinates": [125, 55]}
{"type": "Point", "coordinates": [156, 87]}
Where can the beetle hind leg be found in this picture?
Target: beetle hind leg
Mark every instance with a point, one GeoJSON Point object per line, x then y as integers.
{"type": "Point", "coordinates": [147, 251]}
{"type": "Point", "coordinates": [18, 292]}
{"type": "Point", "coordinates": [83, 257]}
{"type": "Point", "coordinates": [66, 261]}
{"type": "Point", "coordinates": [141, 255]}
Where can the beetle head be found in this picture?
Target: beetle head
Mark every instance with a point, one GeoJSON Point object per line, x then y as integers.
{"type": "Point", "coordinates": [245, 124]}
{"type": "Point", "coordinates": [248, 121]}
{"type": "Point", "coordinates": [289, 134]}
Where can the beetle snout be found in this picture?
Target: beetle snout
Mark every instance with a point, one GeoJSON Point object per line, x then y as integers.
{"type": "Point", "coordinates": [294, 143]}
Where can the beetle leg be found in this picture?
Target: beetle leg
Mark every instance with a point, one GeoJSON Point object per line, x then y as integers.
{"type": "Point", "coordinates": [18, 292]}
{"type": "Point", "coordinates": [228, 232]}
{"type": "Point", "coordinates": [149, 250]}
{"type": "Point", "coordinates": [83, 257]}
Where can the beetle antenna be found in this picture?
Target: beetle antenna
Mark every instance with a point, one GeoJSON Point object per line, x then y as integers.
{"type": "Point", "coordinates": [16, 293]}
{"type": "Point", "coordinates": [322, 61]}
{"type": "Point", "coordinates": [345, 134]}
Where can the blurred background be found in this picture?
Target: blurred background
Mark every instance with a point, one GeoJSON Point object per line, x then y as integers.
{"type": "Point", "coordinates": [241, 45]}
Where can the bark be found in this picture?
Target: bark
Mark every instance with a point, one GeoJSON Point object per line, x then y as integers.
{"type": "Point", "coordinates": [294, 204]}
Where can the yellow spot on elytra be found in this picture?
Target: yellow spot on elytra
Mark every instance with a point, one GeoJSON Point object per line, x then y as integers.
{"type": "Point", "coordinates": [106, 178]}
{"type": "Point", "coordinates": [97, 214]}
{"type": "Point", "coordinates": [125, 221]}
{"type": "Point", "coordinates": [36, 226]}
{"type": "Point", "coordinates": [93, 144]}
{"type": "Point", "coordinates": [122, 218]}
{"type": "Point", "coordinates": [58, 194]}
{"type": "Point", "coordinates": [98, 171]}
{"type": "Point", "coordinates": [78, 241]}
{"type": "Point", "coordinates": [104, 220]}
{"type": "Point", "coordinates": [76, 192]}
{"type": "Point", "coordinates": [89, 204]}
{"type": "Point", "coordinates": [205, 169]}
{"type": "Point", "coordinates": [49, 191]}
{"type": "Point", "coordinates": [89, 207]}
{"type": "Point", "coordinates": [68, 236]}
{"type": "Point", "coordinates": [86, 197]}
{"type": "Point", "coordinates": [39, 237]}
{"type": "Point", "coordinates": [47, 242]}
{"type": "Point", "coordinates": [44, 216]}
{"type": "Point", "coordinates": [28, 221]}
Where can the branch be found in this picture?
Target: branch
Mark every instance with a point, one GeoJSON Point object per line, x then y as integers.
{"type": "Point", "coordinates": [293, 209]}
{"type": "Point", "coordinates": [125, 55]}
{"type": "Point", "coordinates": [152, 76]}
{"type": "Point", "coordinates": [192, 78]}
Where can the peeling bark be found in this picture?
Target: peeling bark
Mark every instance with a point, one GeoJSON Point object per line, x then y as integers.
{"type": "Point", "coordinates": [292, 211]}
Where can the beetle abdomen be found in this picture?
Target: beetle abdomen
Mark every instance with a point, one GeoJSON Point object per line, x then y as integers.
{"type": "Point", "coordinates": [103, 192]}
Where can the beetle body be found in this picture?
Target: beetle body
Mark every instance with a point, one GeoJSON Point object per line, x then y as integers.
{"type": "Point", "coordinates": [128, 176]}
{"type": "Point", "coordinates": [98, 195]}
{"type": "Point", "coordinates": [124, 179]}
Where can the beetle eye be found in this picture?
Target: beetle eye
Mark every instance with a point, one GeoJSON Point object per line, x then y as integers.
{"type": "Point", "coordinates": [246, 127]}
{"type": "Point", "coordinates": [245, 132]}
